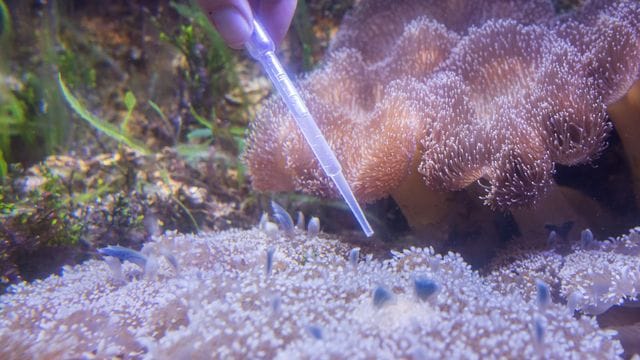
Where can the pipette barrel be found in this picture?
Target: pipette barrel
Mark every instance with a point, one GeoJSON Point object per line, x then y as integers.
{"type": "Point", "coordinates": [262, 48]}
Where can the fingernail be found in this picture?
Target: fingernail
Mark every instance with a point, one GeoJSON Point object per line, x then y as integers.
{"type": "Point", "coordinates": [232, 26]}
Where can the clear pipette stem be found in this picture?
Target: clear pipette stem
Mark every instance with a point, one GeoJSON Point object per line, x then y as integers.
{"type": "Point", "coordinates": [262, 48]}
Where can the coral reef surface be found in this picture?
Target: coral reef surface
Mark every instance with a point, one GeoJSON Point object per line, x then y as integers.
{"type": "Point", "coordinates": [267, 293]}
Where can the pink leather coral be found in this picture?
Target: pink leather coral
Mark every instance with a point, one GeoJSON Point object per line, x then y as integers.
{"type": "Point", "coordinates": [493, 91]}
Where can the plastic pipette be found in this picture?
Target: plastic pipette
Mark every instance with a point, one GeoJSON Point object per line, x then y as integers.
{"type": "Point", "coordinates": [262, 48]}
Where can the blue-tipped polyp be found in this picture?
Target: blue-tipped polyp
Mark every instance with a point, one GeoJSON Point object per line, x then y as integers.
{"type": "Point", "coordinates": [282, 217]}
{"type": "Point", "coordinates": [315, 331]}
{"type": "Point", "coordinates": [381, 296]}
{"type": "Point", "coordinates": [354, 255]}
{"type": "Point", "coordinates": [543, 293]}
{"type": "Point", "coordinates": [425, 287]}
{"type": "Point", "coordinates": [269, 262]}
{"type": "Point", "coordinates": [124, 254]}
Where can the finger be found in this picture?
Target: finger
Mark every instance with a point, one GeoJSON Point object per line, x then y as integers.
{"type": "Point", "coordinates": [276, 16]}
{"type": "Point", "coordinates": [231, 18]}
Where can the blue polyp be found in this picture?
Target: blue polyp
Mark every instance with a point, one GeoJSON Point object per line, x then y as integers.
{"type": "Point", "coordinates": [354, 255]}
{"type": "Point", "coordinates": [315, 331]}
{"type": "Point", "coordinates": [269, 262]}
{"type": "Point", "coordinates": [425, 287]}
{"type": "Point", "coordinates": [124, 254]}
{"type": "Point", "coordinates": [282, 217]}
{"type": "Point", "coordinates": [381, 296]}
{"type": "Point", "coordinates": [543, 293]}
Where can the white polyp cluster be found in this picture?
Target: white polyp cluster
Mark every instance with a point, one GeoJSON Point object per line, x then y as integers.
{"type": "Point", "coordinates": [221, 305]}
{"type": "Point", "coordinates": [591, 276]}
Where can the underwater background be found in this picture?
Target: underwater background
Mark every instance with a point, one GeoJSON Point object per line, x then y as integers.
{"type": "Point", "coordinates": [147, 174]}
{"type": "Point", "coordinates": [169, 104]}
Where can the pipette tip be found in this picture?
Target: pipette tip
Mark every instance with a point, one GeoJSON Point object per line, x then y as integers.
{"type": "Point", "coordinates": [350, 199]}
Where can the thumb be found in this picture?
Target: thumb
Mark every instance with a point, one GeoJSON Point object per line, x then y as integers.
{"type": "Point", "coordinates": [231, 18]}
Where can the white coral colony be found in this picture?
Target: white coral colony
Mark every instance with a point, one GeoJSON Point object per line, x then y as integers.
{"type": "Point", "coordinates": [221, 305]}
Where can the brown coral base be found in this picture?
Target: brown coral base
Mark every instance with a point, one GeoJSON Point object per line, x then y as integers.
{"type": "Point", "coordinates": [460, 221]}
{"type": "Point", "coordinates": [625, 114]}
{"type": "Point", "coordinates": [455, 220]}
{"type": "Point", "coordinates": [563, 205]}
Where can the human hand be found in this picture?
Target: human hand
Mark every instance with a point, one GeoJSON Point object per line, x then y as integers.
{"type": "Point", "coordinates": [233, 18]}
